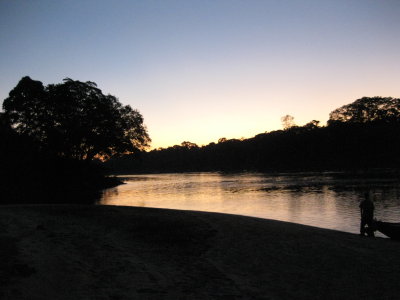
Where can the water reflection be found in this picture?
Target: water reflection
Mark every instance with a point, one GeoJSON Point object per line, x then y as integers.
{"type": "Point", "coordinates": [328, 200]}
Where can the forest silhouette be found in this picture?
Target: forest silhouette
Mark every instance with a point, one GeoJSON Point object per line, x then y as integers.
{"type": "Point", "coordinates": [362, 135]}
{"type": "Point", "coordinates": [59, 142]}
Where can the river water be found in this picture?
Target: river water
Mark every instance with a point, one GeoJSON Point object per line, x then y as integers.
{"type": "Point", "coordinates": [326, 200]}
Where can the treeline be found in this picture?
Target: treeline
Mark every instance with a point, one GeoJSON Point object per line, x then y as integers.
{"type": "Point", "coordinates": [362, 135]}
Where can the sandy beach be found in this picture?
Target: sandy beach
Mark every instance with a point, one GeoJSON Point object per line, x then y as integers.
{"type": "Point", "coordinates": [108, 252]}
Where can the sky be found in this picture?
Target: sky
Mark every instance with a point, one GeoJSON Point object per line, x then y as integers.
{"type": "Point", "coordinates": [202, 70]}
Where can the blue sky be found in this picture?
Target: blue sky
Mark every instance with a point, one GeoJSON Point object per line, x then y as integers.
{"type": "Point", "coordinates": [201, 70]}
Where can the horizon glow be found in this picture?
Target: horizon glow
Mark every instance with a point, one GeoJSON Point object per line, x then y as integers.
{"type": "Point", "coordinates": [202, 70]}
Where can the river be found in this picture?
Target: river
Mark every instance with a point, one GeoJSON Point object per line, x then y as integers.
{"type": "Point", "coordinates": [327, 200]}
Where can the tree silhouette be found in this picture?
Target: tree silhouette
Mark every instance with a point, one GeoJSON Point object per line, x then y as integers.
{"type": "Point", "coordinates": [367, 109]}
{"type": "Point", "coordinates": [222, 140]}
{"type": "Point", "coordinates": [372, 142]}
{"type": "Point", "coordinates": [75, 119]}
{"type": "Point", "coordinates": [287, 121]}
{"type": "Point", "coordinates": [312, 124]}
{"type": "Point", "coordinates": [189, 145]}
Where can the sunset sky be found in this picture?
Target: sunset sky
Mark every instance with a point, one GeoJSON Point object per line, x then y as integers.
{"type": "Point", "coordinates": [202, 70]}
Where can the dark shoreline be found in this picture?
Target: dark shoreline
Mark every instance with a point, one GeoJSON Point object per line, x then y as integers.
{"type": "Point", "coordinates": [93, 252]}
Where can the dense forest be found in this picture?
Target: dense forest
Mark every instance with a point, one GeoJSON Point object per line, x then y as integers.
{"type": "Point", "coordinates": [59, 141]}
{"type": "Point", "coordinates": [362, 135]}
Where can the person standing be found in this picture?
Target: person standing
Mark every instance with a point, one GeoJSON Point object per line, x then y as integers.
{"type": "Point", "coordinates": [367, 216]}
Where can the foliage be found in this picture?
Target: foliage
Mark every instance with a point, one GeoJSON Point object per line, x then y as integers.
{"type": "Point", "coordinates": [74, 119]}
{"type": "Point", "coordinates": [367, 109]}
{"type": "Point", "coordinates": [305, 148]}
{"type": "Point", "coordinates": [50, 135]}
{"type": "Point", "coordinates": [287, 121]}
{"type": "Point", "coordinates": [356, 138]}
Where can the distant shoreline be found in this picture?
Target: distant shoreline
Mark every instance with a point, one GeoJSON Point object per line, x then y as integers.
{"type": "Point", "coordinates": [86, 251]}
{"type": "Point", "coordinates": [355, 171]}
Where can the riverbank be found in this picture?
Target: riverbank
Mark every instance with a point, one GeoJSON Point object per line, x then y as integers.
{"type": "Point", "coordinates": [107, 252]}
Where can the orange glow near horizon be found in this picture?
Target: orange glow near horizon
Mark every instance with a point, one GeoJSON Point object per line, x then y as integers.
{"type": "Point", "coordinates": [199, 71]}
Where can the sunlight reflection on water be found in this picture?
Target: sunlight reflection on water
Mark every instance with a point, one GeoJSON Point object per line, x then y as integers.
{"type": "Point", "coordinates": [327, 200]}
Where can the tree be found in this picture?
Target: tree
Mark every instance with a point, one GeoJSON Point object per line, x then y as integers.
{"type": "Point", "coordinates": [287, 122]}
{"type": "Point", "coordinates": [75, 119]}
{"type": "Point", "coordinates": [312, 124]}
{"type": "Point", "coordinates": [222, 140]}
{"type": "Point", "coordinates": [367, 109]}
{"type": "Point", "coordinates": [189, 145]}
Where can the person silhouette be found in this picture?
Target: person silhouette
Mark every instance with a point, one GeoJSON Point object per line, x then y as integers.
{"type": "Point", "coordinates": [367, 215]}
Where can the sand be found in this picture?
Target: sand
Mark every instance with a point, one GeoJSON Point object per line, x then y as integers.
{"type": "Point", "coordinates": [108, 252]}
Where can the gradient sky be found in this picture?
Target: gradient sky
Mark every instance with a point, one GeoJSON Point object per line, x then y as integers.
{"type": "Point", "coordinates": [202, 70]}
